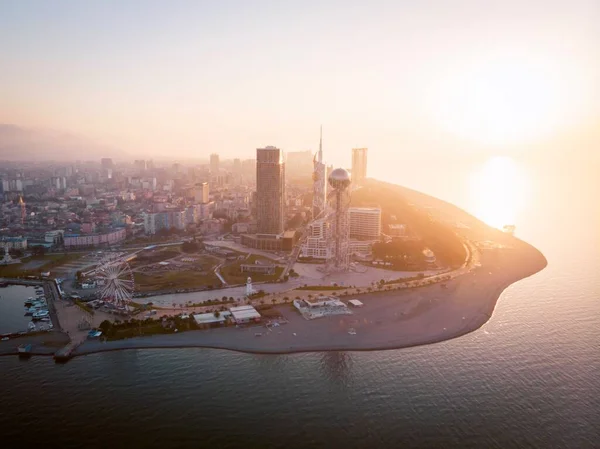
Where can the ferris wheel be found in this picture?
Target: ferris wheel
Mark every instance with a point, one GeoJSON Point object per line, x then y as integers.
{"type": "Point", "coordinates": [115, 280]}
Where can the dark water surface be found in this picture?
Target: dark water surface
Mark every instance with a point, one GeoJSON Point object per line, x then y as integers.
{"type": "Point", "coordinates": [12, 308]}
{"type": "Point", "coordinates": [529, 378]}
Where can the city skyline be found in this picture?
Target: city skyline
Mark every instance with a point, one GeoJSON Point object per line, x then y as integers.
{"type": "Point", "coordinates": [484, 80]}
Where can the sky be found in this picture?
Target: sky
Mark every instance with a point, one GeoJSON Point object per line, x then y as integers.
{"type": "Point", "coordinates": [187, 78]}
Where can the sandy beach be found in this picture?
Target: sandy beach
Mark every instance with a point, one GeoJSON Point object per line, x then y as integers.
{"type": "Point", "coordinates": [388, 320]}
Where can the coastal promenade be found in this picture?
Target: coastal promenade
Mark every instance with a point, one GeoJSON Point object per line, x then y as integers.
{"type": "Point", "coordinates": [388, 320]}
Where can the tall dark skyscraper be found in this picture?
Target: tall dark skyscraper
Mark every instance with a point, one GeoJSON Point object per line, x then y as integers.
{"type": "Point", "coordinates": [359, 165]}
{"type": "Point", "coordinates": [270, 190]}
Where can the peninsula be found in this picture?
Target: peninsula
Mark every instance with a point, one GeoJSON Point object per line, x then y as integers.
{"type": "Point", "coordinates": [396, 313]}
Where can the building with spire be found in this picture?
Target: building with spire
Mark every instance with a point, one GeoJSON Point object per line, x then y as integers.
{"type": "Point", "coordinates": [319, 181]}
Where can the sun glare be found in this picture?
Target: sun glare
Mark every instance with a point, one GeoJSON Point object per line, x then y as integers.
{"type": "Point", "coordinates": [499, 102]}
{"type": "Point", "coordinates": [498, 191]}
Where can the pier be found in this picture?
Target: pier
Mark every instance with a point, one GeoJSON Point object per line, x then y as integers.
{"type": "Point", "coordinates": [65, 353]}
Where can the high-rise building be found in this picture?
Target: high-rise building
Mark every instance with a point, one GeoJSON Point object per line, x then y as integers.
{"type": "Point", "coordinates": [214, 164]}
{"type": "Point", "coordinates": [201, 192]}
{"type": "Point", "coordinates": [106, 162]}
{"type": "Point", "coordinates": [299, 163]}
{"type": "Point", "coordinates": [359, 165]}
{"type": "Point", "coordinates": [365, 223]}
{"type": "Point", "coordinates": [237, 166]}
{"type": "Point", "coordinates": [270, 190]}
{"type": "Point", "coordinates": [319, 181]}
{"type": "Point", "coordinates": [140, 164]}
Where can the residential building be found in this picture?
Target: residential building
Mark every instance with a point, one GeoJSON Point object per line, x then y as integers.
{"type": "Point", "coordinates": [106, 238]}
{"type": "Point", "coordinates": [316, 244]}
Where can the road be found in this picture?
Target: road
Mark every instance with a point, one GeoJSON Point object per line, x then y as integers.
{"type": "Point", "coordinates": [295, 253]}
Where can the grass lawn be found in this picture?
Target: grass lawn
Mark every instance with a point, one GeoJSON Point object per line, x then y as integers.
{"type": "Point", "coordinates": [153, 256]}
{"type": "Point", "coordinates": [173, 280]}
{"type": "Point", "coordinates": [233, 275]}
{"type": "Point", "coordinates": [38, 264]}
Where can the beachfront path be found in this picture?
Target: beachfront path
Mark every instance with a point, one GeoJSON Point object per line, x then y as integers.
{"type": "Point", "coordinates": [388, 320]}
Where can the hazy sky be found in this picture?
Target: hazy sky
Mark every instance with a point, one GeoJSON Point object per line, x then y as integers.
{"type": "Point", "coordinates": [186, 78]}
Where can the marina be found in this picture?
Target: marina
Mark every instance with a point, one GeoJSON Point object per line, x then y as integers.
{"type": "Point", "coordinates": [23, 309]}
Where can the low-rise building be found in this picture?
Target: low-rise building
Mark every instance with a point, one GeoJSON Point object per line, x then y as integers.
{"type": "Point", "coordinates": [107, 238]}
{"type": "Point", "coordinates": [258, 268]}
{"type": "Point", "coordinates": [19, 242]}
{"type": "Point", "coordinates": [245, 314]}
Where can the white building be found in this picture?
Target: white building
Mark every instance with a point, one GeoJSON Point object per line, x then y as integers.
{"type": "Point", "coordinates": [244, 314]}
{"type": "Point", "coordinates": [315, 245]}
{"type": "Point", "coordinates": [365, 222]}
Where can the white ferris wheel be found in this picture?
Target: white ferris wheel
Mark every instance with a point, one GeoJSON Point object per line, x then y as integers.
{"type": "Point", "coordinates": [115, 280]}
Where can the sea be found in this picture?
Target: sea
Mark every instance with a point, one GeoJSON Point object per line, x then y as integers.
{"type": "Point", "coordinates": [529, 378]}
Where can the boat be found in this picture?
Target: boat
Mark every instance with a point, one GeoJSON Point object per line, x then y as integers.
{"type": "Point", "coordinates": [3, 284]}
{"type": "Point", "coordinates": [24, 350]}
{"type": "Point", "coordinates": [94, 333]}
{"type": "Point", "coordinates": [40, 314]}
{"type": "Point", "coordinates": [31, 326]}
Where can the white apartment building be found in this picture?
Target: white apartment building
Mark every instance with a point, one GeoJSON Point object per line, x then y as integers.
{"type": "Point", "coordinates": [365, 223]}
{"type": "Point", "coordinates": [315, 245]}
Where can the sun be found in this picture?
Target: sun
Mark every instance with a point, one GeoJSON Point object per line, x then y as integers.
{"type": "Point", "coordinates": [499, 190]}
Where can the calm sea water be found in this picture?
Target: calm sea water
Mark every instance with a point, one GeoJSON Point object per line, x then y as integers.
{"type": "Point", "coordinates": [12, 308]}
{"type": "Point", "coordinates": [529, 378]}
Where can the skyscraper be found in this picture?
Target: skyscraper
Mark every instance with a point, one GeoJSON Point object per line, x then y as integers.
{"type": "Point", "coordinates": [319, 181]}
{"type": "Point", "coordinates": [270, 190]}
{"type": "Point", "coordinates": [359, 165]}
{"type": "Point", "coordinates": [214, 164]}
{"type": "Point", "coordinates": [201, 192]}
{"type": "Point", "coordinates": [106, 162]}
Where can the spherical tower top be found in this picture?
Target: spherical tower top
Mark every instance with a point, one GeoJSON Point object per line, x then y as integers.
{"type": "Point", "coordinates": [339, 179]}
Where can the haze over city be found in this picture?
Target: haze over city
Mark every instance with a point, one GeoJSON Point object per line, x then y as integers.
{"type": "Point", "coordinates": [183, 79]}
{"type": "Point", "coordinates": [290, 224]}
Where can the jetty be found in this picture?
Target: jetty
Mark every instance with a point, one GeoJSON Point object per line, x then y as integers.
{"type": "Point", "coordinates": [65, 353]}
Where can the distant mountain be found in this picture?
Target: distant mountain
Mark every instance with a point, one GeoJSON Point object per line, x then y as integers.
{"type": "Point", "coordinates": [17, 143]}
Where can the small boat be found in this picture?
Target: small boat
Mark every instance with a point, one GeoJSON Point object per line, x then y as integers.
{"type": "Point", "coordinates": [94, 333]}
{"type": "Point", "coordinates": [31, 326]}
{"type": "Point", "coordinates": [40, 314]}
{"type": "Point", "coordinates": [24, 350]}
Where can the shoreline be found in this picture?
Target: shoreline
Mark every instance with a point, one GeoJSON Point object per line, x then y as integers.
{"type": "Point", "coordinates": [388, 320]}
{"type": "Point", "coordinates": [208, 339]}
{"type": "Point", "coordinates": [205, 339]}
